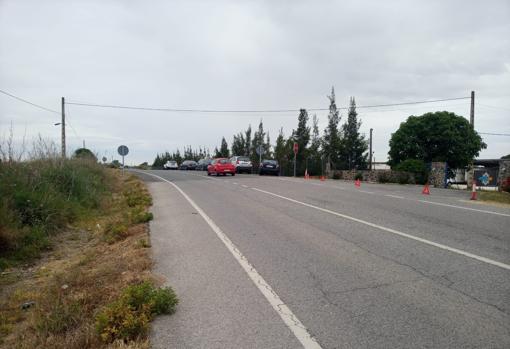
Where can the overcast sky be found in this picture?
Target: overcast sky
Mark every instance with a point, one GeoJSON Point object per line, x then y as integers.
{"type": "Point", "coordinates": [247, 55]}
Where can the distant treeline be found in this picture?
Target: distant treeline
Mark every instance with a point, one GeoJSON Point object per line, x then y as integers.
{"type": "Point", "coordinates": [340, 146]}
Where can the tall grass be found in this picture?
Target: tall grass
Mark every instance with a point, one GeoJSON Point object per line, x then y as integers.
{"type": "Point", "coordinates": [40, 197]}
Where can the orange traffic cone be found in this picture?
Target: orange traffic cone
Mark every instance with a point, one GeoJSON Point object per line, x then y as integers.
{"type": "Point", "coordinates": [357, 183]}
{"type": "Point", "coordinates": [426, 190]}
{"type": "Point", "coordinates": [322, 178]}
{"type": "Point", "coordinates": [473, 191]}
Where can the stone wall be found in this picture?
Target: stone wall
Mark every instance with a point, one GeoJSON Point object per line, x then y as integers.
{"type": "Point", "coordinates": [437, 174]}
{"type": "Point", "coordinates": [381, 176]}
{"type": "Point", "coordinates": [504, 174]}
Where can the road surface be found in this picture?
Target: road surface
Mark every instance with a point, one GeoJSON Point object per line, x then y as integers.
{"type": "Point", "coordinates": [269, 262]}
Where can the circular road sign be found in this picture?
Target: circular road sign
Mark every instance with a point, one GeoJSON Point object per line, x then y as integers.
{"type": "Point", "coordinates": [260, 150]}
{"type": "Point", "coordinates": [104, 159]}
{"type": "Point", "coordinates": [123, 150]}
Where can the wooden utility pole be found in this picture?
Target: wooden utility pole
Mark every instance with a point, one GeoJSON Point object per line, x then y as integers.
{"type": "Point", "coordinates": [63, 129]}
{"type": "Point", "coordinates": [472, 111]}
{"type": "Point", "coordinates": [370, 154]}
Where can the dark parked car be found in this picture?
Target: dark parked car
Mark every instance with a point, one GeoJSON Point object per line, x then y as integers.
{"type": "Point", "coordinates": [188, 165]}
{"type": "Point", "coordinates": [269, 167]}
{"type": "Point", "coordinates": [202, 164]}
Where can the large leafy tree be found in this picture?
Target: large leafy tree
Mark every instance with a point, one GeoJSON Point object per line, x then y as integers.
{"type": "Point", "coordinates": [331, 141]}
{"type": "Point", "coordinates": [354, 145]}
{"type": "Point", "coordinates": [439, 136]}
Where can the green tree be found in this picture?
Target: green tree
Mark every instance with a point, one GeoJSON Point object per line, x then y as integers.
{"type": "Point", "coordinates": [439, 136]}
{"type": "Point", "coordinates": [258, 140]}
{"type": "Point", "coordinates": [238, 144]}
{"type": "Point", "coordinates": [84, 153]}
{"type": "Point", "coordinates": [354, 145]}
{"type": "Point", "coordinates": [223, 152]}
{"type": "Point", "coordinates": [331, 141]}
{"type": "Point", "coordinates": [247, 139]}
{"type": "Point", "coordinates": [314, 157]}
{"type": "Point", "coordinates": [302, 136]}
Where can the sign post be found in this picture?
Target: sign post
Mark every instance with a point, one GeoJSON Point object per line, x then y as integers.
{"type": "Point", "coordinates": [260, 150]}
{"type": "Point", "coordinates": [123, 151]}
{"type": "Point", "coordinates": [296, 148]}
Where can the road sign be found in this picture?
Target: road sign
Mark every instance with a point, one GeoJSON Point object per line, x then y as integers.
{"type": "Point", "coordinates": [123, 150]}
{"type": "Point", "coordinates": [260, 150]}
{"type": "Point", "coordinates": [296, 148]}
{"type": "Point", "coordinates": [104, 159]}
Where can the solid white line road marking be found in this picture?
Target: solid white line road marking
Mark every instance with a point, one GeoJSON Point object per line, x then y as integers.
{"type": "Point", "coordinates": [393, 231]}
{"type": "Point", "coordinates": [244, 186]}
{"type": "Point", "coordinates": [394, 196]}
{"type": "Point", "coordinates": [366, 192]}
{"type": "Point", "coordinates": [288, 317]}
{"type": "Point", "coordinates": [235, 183]}
{"type": "Point", "coordinates": [464, 208]}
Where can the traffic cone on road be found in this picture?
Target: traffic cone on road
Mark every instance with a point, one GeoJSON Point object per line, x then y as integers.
{"type": "Point", "coordinates": [426, 190]}
{"type": "Point", "coordinates": [357, 183]}
{"type": "Point", "coordinates": [473, 191]}
{"type": "Point", "coordinates": [322, 178]}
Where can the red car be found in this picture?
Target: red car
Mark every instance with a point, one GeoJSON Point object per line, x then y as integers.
{"type": "Point", "coordinates": [221, 166]}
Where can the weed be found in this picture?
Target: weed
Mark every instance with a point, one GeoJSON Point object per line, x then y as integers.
{"type": "Point", "coordinates": [142, 243]}
{"type": "Point", "coordinates": [128, 317]}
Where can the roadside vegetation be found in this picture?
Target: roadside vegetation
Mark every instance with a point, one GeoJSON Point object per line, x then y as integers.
{"type": "Point", "coordinates": [502, 197]}
{"type": "Point", "coordinates": [74, 257]}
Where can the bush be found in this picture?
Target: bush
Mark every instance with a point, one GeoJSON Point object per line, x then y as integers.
{"type": "Point", "coordinates": [41, 197]}
{"type": "Point", "coordinates": [403, 178]}
{"type": "Point", "coordinates": [337, 175]}
{"type": "Point", "coordinates": [128, 317]}
{"type": "Point", "coordinates": [359, 176]}
{"type": "Point", "coordinates": [417, 167]}
{"type": "Point", "coordinates": [383, 177]}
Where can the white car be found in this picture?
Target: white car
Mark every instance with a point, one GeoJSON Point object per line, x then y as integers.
{"type": "Point", "coordinates": [171, 165]}
{"type": "Point", "coordinates": [242, 164]}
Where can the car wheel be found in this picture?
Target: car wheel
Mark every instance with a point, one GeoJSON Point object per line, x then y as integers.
{"type": "Point", "coordinates": [233, 174]}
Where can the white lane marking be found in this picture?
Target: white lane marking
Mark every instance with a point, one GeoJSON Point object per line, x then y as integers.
{"type": "Point", "coordinates": [366, 192]}
{"type": "Point", "coordinates": [393, 231]}
{"type": "Point", "coordinates": [288, 317]}
{"type": "Point", "coordinates": [394, 196]}
{"type": "Point", "coordinates": [235, 183]}
{"type": "Point", "coordinates": [464, 208]}
{"type": "Point", "coordinates": [244, 186]}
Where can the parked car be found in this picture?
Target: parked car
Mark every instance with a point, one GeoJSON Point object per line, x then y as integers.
{"type": "Point", "coordinates": [188, 165]}
{"type": "Point", "coordinates": [242, 164]}
{"type": "Point", "coordinates": [171, 165]}
{"type": "Point", "coordinates": [269, 167]}
{"type": "Point", "coordinates": [202, 164]}
{"type": "Point", "coordinates": [221, 166]}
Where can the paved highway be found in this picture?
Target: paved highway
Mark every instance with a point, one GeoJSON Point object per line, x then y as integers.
{"type": "Point", "coordinates": [269, 262]}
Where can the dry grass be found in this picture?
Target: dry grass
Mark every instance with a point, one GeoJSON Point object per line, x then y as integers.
{"type": "Point", "coordinates": [496, 196]}
{"type": "Point", "coordinates": [87, 269]}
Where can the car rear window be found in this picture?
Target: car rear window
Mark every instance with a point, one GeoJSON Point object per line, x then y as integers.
{"type": "Point", "coordinates": [272, 162]}
{"type": "Point", "coordinates": [243, 158]}
{"type": "Point", "coordinates": [224, 161]}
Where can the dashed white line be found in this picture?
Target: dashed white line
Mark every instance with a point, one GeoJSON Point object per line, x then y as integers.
{"type": "Point", "coordinates": [235, 183]}
{"type": "Point", "coordinates": [288, 317]}
{"type": "Point", "coordinates": [244, 186]}
{"type": "Point", "coordinates": [394, 196]}
{"type": "Point", "coordinates": [366, 192]}
{"type": "Point", "coordinates": [393, 231]}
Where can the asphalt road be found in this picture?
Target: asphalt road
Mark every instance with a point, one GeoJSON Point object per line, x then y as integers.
{"type": "Point", "coordinates": [381, 266]}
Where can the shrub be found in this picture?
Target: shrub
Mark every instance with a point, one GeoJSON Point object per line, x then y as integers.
{"type": "Point", "coordinates": [128, 317]}
{"type": "Point", "coordinates": [359, 176]}
{"type": "Point", "coordinates": [417, 167]}
{"type": "Point", "coordinates": [142, 217]}
{"type": "Point", "coordinates": [403, 178]}
{"type": "Point", "coordinates": [383, 177]}
{"type": "Point", "coordinates": [337, 175]}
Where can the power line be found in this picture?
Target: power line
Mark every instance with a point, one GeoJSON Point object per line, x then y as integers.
{"type": "Point", "coordinates": [28, 102]}
{"type": "Point", "coordinates": [253, 111]}
{"type": "Point", "coordinates": [495, 134]}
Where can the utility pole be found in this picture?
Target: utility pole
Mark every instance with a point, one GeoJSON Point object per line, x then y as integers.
{"type": "Point", "coordinates": [472, 111]}
{"type": "Point", "coordinates": [371, 149]}
{"type": "Point", "coordinates": [63, 129]}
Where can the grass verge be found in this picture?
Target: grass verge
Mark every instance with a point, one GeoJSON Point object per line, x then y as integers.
{"type": "Point", "coordinates": [89, 285]}
{"type": "Point", "coordinates": [494, 196]}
